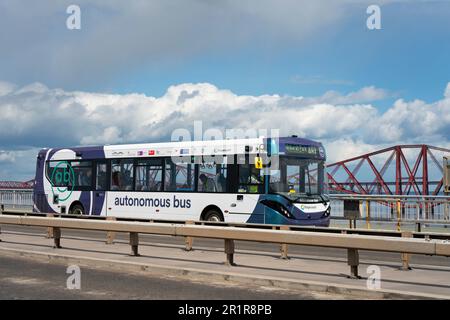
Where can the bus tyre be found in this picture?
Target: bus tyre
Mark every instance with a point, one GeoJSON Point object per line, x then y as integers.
{"type": "Point", "coordinates": [213, 216]}
{"type": "Point", "coordinates": [77, 209]}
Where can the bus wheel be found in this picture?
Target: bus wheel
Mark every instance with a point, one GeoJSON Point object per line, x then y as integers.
{"type": "Point", "coordinates": [77, 209]}
{"type": "Point", "coordinates": [213, 216]}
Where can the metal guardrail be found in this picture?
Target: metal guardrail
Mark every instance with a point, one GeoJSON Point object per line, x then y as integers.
{"type": "Point", "coordinates": [380, 208]}
{"type": "Point", "coordinates": [351, 242]}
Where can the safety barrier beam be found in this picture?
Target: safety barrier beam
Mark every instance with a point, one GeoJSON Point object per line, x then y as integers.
{"type": "Point", "coordinates": [375, 232]}
{"type": "Point", "coordinates": [351, 242]}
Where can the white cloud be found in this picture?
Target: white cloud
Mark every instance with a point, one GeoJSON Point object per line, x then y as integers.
{"type": "Point", "coordinates": [6, 87]}
{"type": "Point", "coordinates": [7, 156]}
{"type": "Point", "coordinates": [346, 148]}
{"type": "Point", "coordinates": [447, 91]}
{"type": "Point", "coordinates": [35, 116]}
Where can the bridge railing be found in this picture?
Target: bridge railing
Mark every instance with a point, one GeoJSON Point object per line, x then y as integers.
{"type": "Point", "coordinates": [382, 208]}
{"type": "Point", "coordinates": [354, 242]}
{"type": "Point", "coordinates": [17, 198]}
{"type": "Point", "coordinates": [387, 208]}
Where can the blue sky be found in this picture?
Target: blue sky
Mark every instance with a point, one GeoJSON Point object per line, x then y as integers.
{"type": "Point", "coordinates": [409, 57]}
{"type": "Point", "coordinates": [308, 67]}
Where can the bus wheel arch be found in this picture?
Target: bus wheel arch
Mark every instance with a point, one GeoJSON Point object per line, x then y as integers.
{"type": "Point", "coordinates": [77, 208]}
{"type": "Point", "coordinates": [212, 213]}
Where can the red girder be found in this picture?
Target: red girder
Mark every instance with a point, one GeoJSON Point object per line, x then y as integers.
{"type": "Point", "coordinates": [406, 178]}
{"type": "Point", "coordinates": [379, 177]}
{"type": "Point", "coordinates": [382, 171]}
{"type": "Point", "coordinates": [411, 174]}
{"type": "Point", "coordinates": [16, 184]}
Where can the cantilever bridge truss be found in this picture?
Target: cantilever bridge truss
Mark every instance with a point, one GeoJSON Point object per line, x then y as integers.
{"type": "Point", "coordinates": [398, 170]}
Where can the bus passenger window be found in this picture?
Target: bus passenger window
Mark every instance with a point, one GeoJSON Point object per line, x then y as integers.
{"type": "Point", "coordinates": [179, 176]}
{"type": "Point", "coordinates": [212, 177]}
{"type": "Point", "coordinates": [100, 180]}
{"type": "Point", "coordinates": [148, 175]}
{"type": "Point", "coordinates": [83, 174]}
{"type": "Point", "coordinates": [122, 175]}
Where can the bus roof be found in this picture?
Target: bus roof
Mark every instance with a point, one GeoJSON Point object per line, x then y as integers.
{"type": "Point", "coordinates": [181, 148]}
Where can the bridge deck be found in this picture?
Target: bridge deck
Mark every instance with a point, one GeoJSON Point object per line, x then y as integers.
{"type": "Point", "coordinates": [165, 255]}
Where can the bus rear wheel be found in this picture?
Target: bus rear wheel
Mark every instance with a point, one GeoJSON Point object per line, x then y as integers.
{"type": "Point", "coordinates": [77, 209]}
{"type": "Point", "coordinates": [214, 216]}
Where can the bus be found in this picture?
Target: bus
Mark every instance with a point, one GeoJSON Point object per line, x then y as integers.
{"type": "Point", "coordinates": [256, 180]}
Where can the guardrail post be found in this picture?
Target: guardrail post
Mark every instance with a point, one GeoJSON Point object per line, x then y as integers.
{"type": "Point", "coordinates": [229, 251]}
{"type": "Point", "coordinates": [134, 242]}
{"type": "Point", "coordinates": [446, 210]}
{"type": "Point", "coordinates": [50, 230]}
{"type": "Point", "coordinates": [399, 214]}
{"type": "Point", "coordinates": [424, 210]}
{"type": "Point", "coordinates": [57, 237]}
{"type": "Point", "coordinates": [353, 262]}
{"type": "Point", "coordinates": [189, 241]}
{"type": "Point", "coordinates": [368, 214]}
{"type": "Point", "coordinates": [352, 211]}
{"type": "Point", "coordinates": [110, 235]}
{"type": "Point", "coordinates": [418, 227]}
{"type": "Point", "coordinates": [2, 208]}
{"type": "Point", "coordinates": [406, 256]}
{"type": "Point", "coordinates": [284, 246]}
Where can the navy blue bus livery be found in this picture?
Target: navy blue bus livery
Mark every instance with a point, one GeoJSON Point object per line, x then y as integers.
{"type": "Point", "coordinates": [262, 180]}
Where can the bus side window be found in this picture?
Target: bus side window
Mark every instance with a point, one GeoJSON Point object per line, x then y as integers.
{"type": "Point", "coordinates": [122, 175]}
{"type": "Point", "coordinates": [100, 179]}
{"type": "Point", "coordinates": [148, 175]}
{"type": "Point", "coordinates": [212, 177]}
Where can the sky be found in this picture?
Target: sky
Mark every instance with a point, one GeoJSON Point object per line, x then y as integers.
{"type": "Point", "coordinates": [138, 70]}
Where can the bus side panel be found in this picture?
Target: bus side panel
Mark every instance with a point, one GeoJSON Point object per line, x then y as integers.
{"type": "Point", "coordinates": [178, 206]}
{"type": "Point", "coordinates": [99, 203]}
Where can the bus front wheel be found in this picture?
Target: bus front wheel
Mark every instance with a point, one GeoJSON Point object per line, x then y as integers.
{"type": "Point", "coordinates": [77, 209]}
{"type": "Point", "coordinates": [213, 216]}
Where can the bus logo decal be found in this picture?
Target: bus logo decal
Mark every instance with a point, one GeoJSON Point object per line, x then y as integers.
{"type": "Point", "coordinates": [62, 177]}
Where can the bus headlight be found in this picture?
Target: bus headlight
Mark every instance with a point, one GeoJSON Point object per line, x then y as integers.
{"type": "Point", "coordinates": [327, 212]}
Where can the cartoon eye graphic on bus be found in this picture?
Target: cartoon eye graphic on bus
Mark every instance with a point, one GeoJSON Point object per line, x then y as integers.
{"type": "Point", "coordinates": [62, 180]}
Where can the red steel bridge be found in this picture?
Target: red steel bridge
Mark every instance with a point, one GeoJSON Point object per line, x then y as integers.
{"type": "Point", "coordinates": [9, 185]}
{"type": "Point", "coordinates": [398, 170]}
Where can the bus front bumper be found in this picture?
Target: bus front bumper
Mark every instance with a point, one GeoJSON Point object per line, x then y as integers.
{"type": "Point", "coordinates": [322, 222]}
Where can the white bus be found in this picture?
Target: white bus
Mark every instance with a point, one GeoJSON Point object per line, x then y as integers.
{"type": "Point", "coordinates": [261, 180]}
